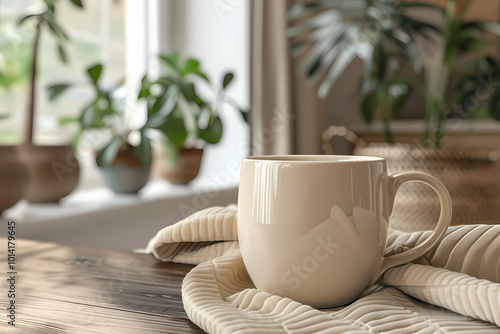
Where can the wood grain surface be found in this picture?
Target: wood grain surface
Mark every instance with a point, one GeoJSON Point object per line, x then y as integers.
{"type": "Point", "coordinates": [61, 289]}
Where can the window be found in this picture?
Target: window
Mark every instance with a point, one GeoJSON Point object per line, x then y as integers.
{"type": "Point", "coordinates": [97, 34]}
{"type": "Point", "coordinates": [126, 36]}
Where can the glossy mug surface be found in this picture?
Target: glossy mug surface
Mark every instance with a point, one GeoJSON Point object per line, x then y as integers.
{"type": "Point", "coordinates": [314, 228]}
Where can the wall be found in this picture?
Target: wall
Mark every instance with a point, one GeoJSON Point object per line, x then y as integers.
{"type": "Point", "coordinates": [218, 33]}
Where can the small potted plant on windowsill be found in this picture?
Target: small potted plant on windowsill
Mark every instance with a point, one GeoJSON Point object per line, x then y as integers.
{"type": "Point", "coordinates": [189, 121]}
{"type": "Point", "coordinates": [125, 167]}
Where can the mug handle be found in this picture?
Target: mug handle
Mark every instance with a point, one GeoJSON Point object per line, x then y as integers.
{"type": "Point", "coordinates": [398, 179]}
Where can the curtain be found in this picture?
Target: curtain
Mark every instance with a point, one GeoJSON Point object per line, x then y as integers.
{"type": "Point", "coordinates": [287, 117]}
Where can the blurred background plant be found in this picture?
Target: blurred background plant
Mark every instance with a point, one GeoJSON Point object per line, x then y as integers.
{"type": "Point", "coordinates": [175, 107]}
{"type": "Point", "coordinates": [46, 18]}
{"type": "Point", "coordinates": [466, 43]}
{"type": "Point", "coordinates": [384, 35]}
{"type": "Point", "coordinates": [380, 33]}
{"type": "Point", "coordinates": [106, 111]}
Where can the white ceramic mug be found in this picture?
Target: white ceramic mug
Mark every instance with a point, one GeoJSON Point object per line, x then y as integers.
{"type": "Point", "coordinates": [314, 228]}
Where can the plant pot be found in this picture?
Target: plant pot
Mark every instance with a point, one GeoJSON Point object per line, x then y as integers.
{"type": "Point", "coordinates": [127, 175]}
{"type": "Point", "coordinates": [185, 170]}
{"type": "Point", "coordinates": [13, 177]}
{"type": "Point", "coordinates": [469, 175]}
{"type": "Point", "coordinates": [53, 172]}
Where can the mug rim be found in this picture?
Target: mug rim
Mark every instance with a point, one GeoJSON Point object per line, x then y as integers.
{"type": "Point", "coordinates": [313, 159]}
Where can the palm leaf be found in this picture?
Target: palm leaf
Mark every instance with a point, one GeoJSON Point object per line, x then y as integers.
{"type": "Point", "coordinates": [108, 154]}
{"type": "Point", "coordinates": [344, 59]}
{"type": "Point", "coordinates": [335, 32]}
{"type": "Point", "coordinates": [55, 91]}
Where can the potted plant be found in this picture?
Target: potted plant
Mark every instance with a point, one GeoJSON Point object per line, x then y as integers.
{"type": "Point", "coordinates": [53, 170]}
{"type": "Point", "coordinates": [469, 175]}
{"type": "Point", "coordinates": [125, 167]}
{"type": "Point", "coordinates": [13, 174]}
{"type": "Point", "coordinates": [465, 43]}
{"type": "Point", "coordinates": [186, 120]}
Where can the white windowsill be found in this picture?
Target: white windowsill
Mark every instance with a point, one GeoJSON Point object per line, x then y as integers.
{"type": "Point", "coordinates": [100, 219]}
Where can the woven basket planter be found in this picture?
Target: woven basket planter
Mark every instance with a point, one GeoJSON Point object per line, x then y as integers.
{"type": "Point", "coordinates": [470, 176]}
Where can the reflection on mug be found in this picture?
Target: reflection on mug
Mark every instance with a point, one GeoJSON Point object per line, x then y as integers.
{"type": "Point", "coordinates": [355, 231]}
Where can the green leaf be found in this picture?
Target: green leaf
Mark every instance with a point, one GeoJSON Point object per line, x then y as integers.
{"type": "Point", "coordinates": [26, 18]}
{"type": "Point", "coordinates": [492, 27]}
{"type": "Point", "coordinates": [145, 85]}
{"type": "Point", "coordinates": [450, 12]}
{"type": "Point", "coordinates": [369, 107]}
{"type": "Point", "coordinates": [162, 108]}
{"type": "Point", "coordinates": [77, 3]}
{"type": "Point", "coordinates": [367, 58]}
{"type": "Point", "coordinates": [55, 91]}
{"type": "Point", "coordinates": [412, 52]}
{"type": "Point", "coordinates": [143, 93]}
{"type": "Point", "coordinates": [421, 5]}
{"type": "Point", "coordinates": [400, 100]}
{"type": "Point", "coordinates": [324, 53]}
{"type": "Point", "coordinates": [157, 105]}
{"type": "Point", "coordinates": [62, 54]}
{"type": "Point", "coordinates": [190, 67]}
{"type": "Point", "coordinates": [89, 116]}
{"type": "Point", "coordinates": [95, 73]}
{"type": "Point", "coordinates": [57, 30]}
{"type": "Point", "coordinates": [175, 129]}
{"type": "Point", "coordinates": [143, 151]}
{"type": "Point", "coordinates": [108, 154]}
{"type": "Point", "coordinates": [202, 75]}
{"type": "Point", "coordinates": [473, 44]}
{"type": "Point", "coordinates": [344, 59]}
{"type": "Point", "coordinates": [245, 114]}
{"type": "Point", "coordinates": [213, 133]}
{"type": "Point", "coordinates": [189, 92]}
{"type": "Point", "coordinates": [172, 61]}
{"type": "Point", "coordinates": [381, 61]}
{"type": "Point", "coordinates": [50, 5]}
{"type": "Point", "coordinates": [227, 80]}
{"type": "Point", "coordinates": [171, 151]}
{"type": "Point", "coordinates": [76, 139]}
{"type": "Point", "coordinates": [300, 9]}
{"type": "Point", "coordinates": [420, 27]}
{"type": "Point", "coordinates": [329, 29]}
{"type": "Point", "coordinates": [68, 120]}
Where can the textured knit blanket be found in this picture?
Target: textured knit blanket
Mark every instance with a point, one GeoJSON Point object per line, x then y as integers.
{"type": "Point", "coordinates": [455, 288]}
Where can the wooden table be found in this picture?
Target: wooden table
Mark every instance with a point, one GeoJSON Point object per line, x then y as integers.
{"type": "Point", "coordinates": [62, 289]}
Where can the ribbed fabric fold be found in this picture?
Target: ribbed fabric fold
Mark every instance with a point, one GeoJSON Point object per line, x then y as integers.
{"type": "Point", "coordinates": [455, 288]}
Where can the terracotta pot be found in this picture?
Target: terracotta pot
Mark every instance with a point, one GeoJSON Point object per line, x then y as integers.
{"type": "Point", "coordinates": [186, 168]}
{"type": "Point", "coordinates": [127, 175]}
{"type": "Point", "coordinates": [53, 172]}
{"type": "Point", "coordinates": [13, 177]}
